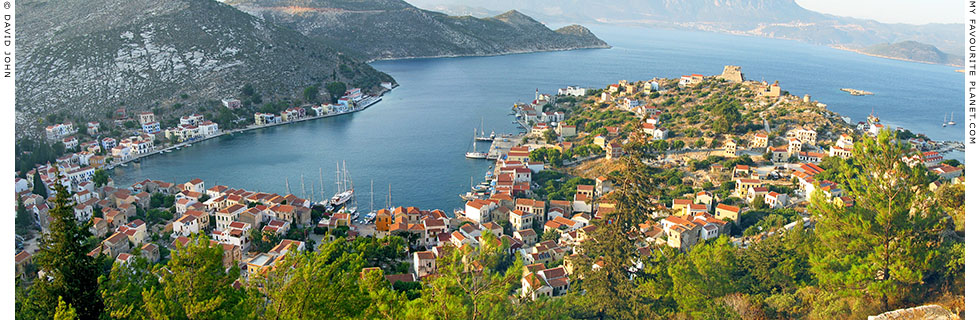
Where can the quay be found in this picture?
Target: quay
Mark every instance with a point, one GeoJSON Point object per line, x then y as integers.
{"type": "Point", "coordinates": [502, 144]}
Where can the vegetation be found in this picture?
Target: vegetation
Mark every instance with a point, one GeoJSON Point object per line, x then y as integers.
{"type": "Point", "coordinates": [70, 274]}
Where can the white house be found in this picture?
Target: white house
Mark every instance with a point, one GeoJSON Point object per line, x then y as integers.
{"type": "Point", "coordinates": [479, 210]}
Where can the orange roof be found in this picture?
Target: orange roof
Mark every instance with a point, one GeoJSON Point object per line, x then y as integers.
{"type": "Point", "coordinates": [727, 208]}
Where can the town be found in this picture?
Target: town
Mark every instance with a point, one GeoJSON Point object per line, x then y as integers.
{"type": "Point", "coordinates": [741, 159]}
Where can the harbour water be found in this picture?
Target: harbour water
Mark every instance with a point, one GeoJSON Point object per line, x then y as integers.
{"type": "Point", "coordinates": [416, 137]}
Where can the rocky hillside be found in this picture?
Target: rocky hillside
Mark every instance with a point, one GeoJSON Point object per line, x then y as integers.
{"type": "Point", "coordinates": [913, 51]}
{"type": "Point", "coordinates": [88, 57]}
{"type": "Point", "coordinates": [388, 29]}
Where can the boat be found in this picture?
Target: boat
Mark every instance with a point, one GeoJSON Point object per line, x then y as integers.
{"type": "Point", "coordinates": [951, 122]}
{"type": "Point", "coordinates": [944, 120]}
{"type": "Point", "coordinates": [483, 134]}
{"type": "Point", "coordinates": [469, 196]}
{"type": "Point", "coordinates": [345, 189]}
{"type": "Point", "coordinates": [475, 154]}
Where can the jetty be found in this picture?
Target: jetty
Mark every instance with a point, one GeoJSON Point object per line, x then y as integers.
{"type": "Point", "coordinates": [856, 92]}
{"type": "Point", "coordinates": [502, 144]}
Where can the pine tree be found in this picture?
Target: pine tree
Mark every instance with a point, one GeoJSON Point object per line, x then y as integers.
{"type": "Point", "coordinates": [68, 270]}
{"type": "Point", "coordinates": [886, 245]}
{"type": "Point", "coordinates": [195, 285]}
{"type": "Point", "coordinates": [609, 291]}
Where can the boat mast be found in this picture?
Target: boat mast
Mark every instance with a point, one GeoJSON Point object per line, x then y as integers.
{"type": "Point", "coordinates": [287, 185]}
{"type": "Point", "coordinates": [321, 182]}
{"type": "Point", "coordinates": [372, 195]}
{"type": "Point", "coordinates": [388, 199]}
{"type": "Point", "coordinates": [474, 140]}
{"type": "Point", "coordinates": [302, 184]}
{"type": "Point", "coordinates": [482, 133]}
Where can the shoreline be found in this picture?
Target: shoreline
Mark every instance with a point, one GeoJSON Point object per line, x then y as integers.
{"type": "Point", "coordinates": [247, 128]}
{"type": "Point", "coordinates": [858, 51]}
{"type": "Point", "coordinates": [484, 54]}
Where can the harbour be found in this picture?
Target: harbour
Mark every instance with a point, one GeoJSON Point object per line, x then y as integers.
{"type": "Point", "coordinates": [416, 137]}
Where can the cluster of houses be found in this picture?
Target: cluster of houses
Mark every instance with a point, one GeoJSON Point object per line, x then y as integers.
{"type": "Point", "coordinates": [352, 100]}
{"type": "Point", "coordinates": [191, 128]}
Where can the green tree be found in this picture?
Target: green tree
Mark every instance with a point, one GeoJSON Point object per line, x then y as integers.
{"type": "Point", "coordinates": [64, 311]}
{"type": "Point", "coordinates": [195, 285]}
{"type": "Point", "coordinates": [550, 136]}
{"type": "Point", "coordinates": [609, 293]}
{"type": "Point", "coordinates": [39, 188]}
{"type": "Point", "coordinates": [476, 282]}
{"type": "Point", "coordinates": [336, 90]}
{"type": "Point", "coordinates": [311, 94]}
{"type": "Point", "coordinates": [551, 234]}
{"type": "Point", "coordinates": [122, 290]}
{"type": "Point", "coordinates": [884, 247]}
{"type": "Point", "coordinates": [703, 275]}
{"type": "Point", "coordinates": [23, 221]}
{"type": "Point", "coordinates": [63, 257]}
{"type": "Point", "coordinates": [100, 178]}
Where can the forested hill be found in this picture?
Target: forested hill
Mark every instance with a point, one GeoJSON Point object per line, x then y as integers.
{"type": "Point", "coordinates": [387, 29]}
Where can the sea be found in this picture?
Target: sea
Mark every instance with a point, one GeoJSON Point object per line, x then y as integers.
{"type": "Point", "coordinates": [412, 142]}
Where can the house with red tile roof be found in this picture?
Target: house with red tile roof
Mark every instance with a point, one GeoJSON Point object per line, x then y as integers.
{"type": "Point", "coordinates": [425, 263]}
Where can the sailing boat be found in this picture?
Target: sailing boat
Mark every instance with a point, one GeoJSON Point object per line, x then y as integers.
{"type": "Point", "coordinates": [344, 193]}
{"type": "Point", "coordinates": [475, 154]}
{"type": "Point", "coordinates": [944, 120]}
{"type": "Point", "coordinates": [951, 122]}
{"type": "Point", "coordinates": [483, 134]}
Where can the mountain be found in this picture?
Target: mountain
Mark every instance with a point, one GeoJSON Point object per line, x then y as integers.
{"type": "Point", "coordinates": [390, 29]}
{"type": "Point", "coordinates": [88, 57]}
{"type": "Point", "coordinates": [913, 51]}
{"type": "Point", "coordinates": [783, 19]}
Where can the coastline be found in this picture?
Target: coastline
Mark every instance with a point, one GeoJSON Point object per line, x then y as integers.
{"type": "Point", "coordinates": [844, 48]}
{"type": "Point", "coordinates": [247, 128]}
{"type": "Point", "coordinates": [485, 54]}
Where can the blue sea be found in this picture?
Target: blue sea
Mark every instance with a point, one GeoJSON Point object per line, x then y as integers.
{"type": "Point", "coordinates": [414, 140]}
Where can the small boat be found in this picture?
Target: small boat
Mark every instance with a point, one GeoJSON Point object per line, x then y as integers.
{"type": "Point", "coordinates": [951, 122]}
{"type": "Point", "coordinates": [944, 120]}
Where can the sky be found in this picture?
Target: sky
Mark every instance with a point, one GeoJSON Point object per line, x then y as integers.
{"type": "Point", "coordinates": [892, 11]}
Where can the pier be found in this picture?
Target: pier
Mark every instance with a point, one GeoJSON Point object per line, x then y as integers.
{"type": "Point", "coordinates": [502, 144]}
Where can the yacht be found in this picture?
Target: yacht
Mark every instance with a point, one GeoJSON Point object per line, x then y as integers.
{"type": "Point", "coordinates": [345, 188]}
{"type": "Point", "coordinates": [475, 154]}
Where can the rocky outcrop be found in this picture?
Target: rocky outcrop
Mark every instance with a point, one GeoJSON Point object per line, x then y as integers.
{"type": "Point", "coordinates": [931, 312]}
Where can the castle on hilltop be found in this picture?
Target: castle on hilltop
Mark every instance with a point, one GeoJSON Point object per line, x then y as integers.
{"type": "Point", "coordinates": [733, 74]}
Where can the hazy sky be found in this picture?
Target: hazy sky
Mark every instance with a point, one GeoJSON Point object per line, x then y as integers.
{"type": "Point", "coordinates": [892, 11]}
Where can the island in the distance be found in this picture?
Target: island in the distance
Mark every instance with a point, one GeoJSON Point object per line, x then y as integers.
{"type": "Point", "coordinates": [394, 29]}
